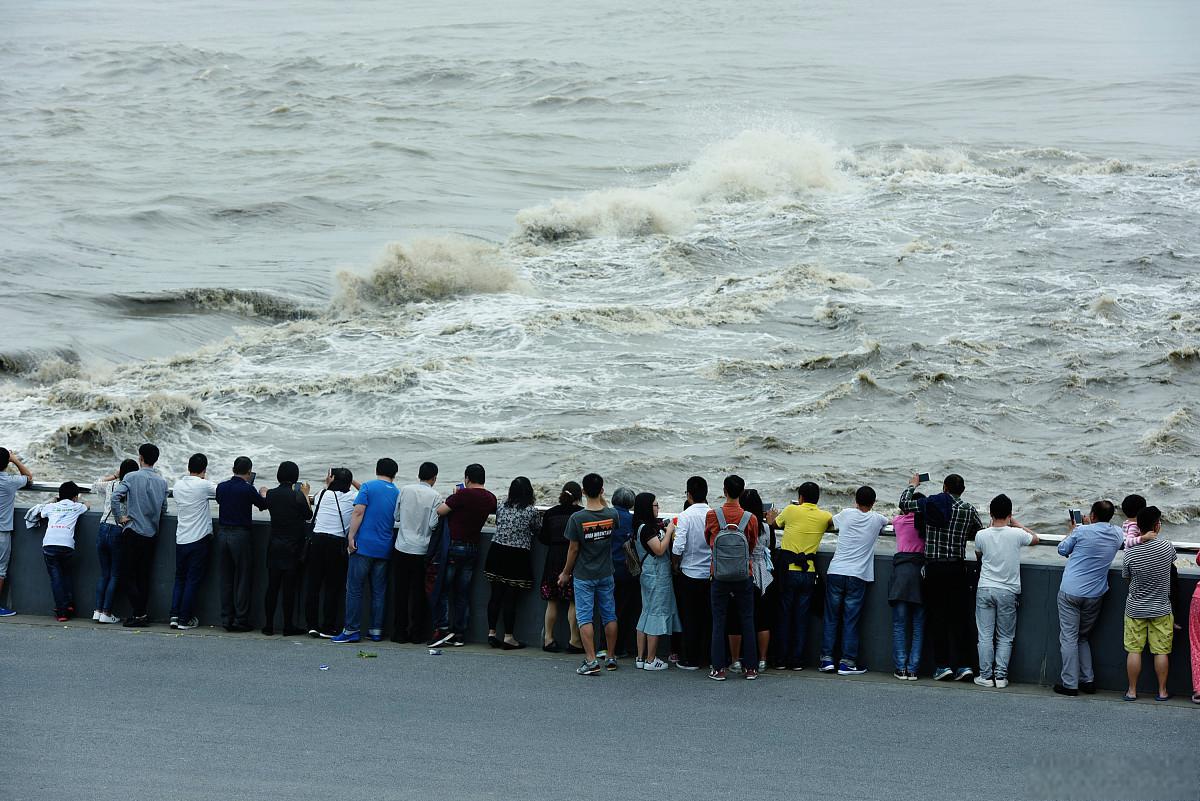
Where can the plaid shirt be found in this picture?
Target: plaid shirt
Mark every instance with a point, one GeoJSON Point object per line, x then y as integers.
{"type": "Point", "coordinates": [950, 542]}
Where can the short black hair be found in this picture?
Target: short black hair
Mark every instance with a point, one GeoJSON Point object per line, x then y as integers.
{"type": "Point", "coordinates": [865, 496]}
{"type": "Point", "coordinates": [288, 473]}
{"type": "Point", "coordinates": [387, 467]}
{"type": "Point", "coordinates": [809, 492]}
{"type": "Point", "coordinates": [342, 479]}
{"type": "Point", "coordinates": [954, 484]}
{"type": "Point", "coordinates": [4, 457]}
{"type": "Point", "coordinates": [1133, 505]}
{"type": "Point", "coordinates": [427, 471]}
{"type": "Point", "coordinates": [242, 465]}
{"type": "Point", "coordinates": [68, 490]}
{"type": "Point", "coordinates": [149, 453]}
{"type": "Point", "coordinates": [593, 485]}
{"type": "Point", "coordinates": [128, 466]}
{"type": "Point", "coordinates": [475, 474]}
{"type": "Point", "coordinates": [520, 493]}
{"type": "Point", "coordinates": [1148, 518]}
{"type": "Point", "coordinates": [1103, 511]}
{"type": "Point", "coordinates": [198, 463]}
{"type": "Point", "coordinates": [1001, 507]}
{"type": "Point", "coordinates": [697, 487]}
{"type": "Point", "coordinates": [734, 486]}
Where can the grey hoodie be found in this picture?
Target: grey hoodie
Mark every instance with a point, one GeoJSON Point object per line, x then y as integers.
{"type": "Point", "coordinates": [144, 493]}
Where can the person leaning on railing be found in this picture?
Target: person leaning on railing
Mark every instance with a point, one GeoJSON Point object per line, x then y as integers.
{"type": "Point", "coordinates": [236, 501]}
{"type": "Point", "coordinates": [9, 485]}
{"type": "Point", "coordinates": [143, 496]}
{"type": "Point", "coordinates": [108, 543]}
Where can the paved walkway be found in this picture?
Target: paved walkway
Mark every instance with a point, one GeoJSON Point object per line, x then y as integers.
{"type": "Point", "coordinates": [109, 713]}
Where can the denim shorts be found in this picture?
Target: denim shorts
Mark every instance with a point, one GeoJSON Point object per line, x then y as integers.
{"type": "Point", "coordinates": [588, 593]}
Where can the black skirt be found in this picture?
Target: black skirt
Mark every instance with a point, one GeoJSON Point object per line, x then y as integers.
{"type": "Point", "coordinates": [905, 584]}
{"type": "Point", "coordinates": [509, 565]}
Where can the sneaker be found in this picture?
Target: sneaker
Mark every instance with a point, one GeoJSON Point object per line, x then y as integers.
{"type": "Point", "coordinates": [602, 654]}
{"type": "Point", "coordinates": [174, 622]}
{"type": "Point", "coordinates": [639, 663]}
{"type": "Point", "coordinates": [589, 668]}
{"type": "Point", "coordinates": [736, 667]}
{"type": "Point", "coordinates": [5, 612]}
{"type": "Point", "coordinates": [751, 674]}
{"type": "Point", "coordinates": [673, 659]}
{"type": "Point", "coordinates": [1088, 687]}
{"type": "Point", "coordinates": [827, 666]}
{"type": "Point", "coordinates": [686, 666]}
{"type": "Point", "coordinates": [376, 637]}
{"type": "Point", "coordinates": [1068, 691]}
{"type": "Point", "coordinates": [347, 638]}
{"type": "Point", "coordinates": [657, 664]}
{"type": "Point", "coordinates": [327, 635]}
{"type": "Point", "coordinates": [458, 641]}
{"type": "Point", "coordinates": [611, 663]}
{"type": "Point", "coordinates": [61, 618]}
{"type": "Point", "coordinates": [136, 622]}
{"type": "Point", "coordinates": [762, 666]}
{"type": "Point", "coordinates": [1001, 683]}
{"type": "Point", "coordinates": [845, 669]}
{"type": "Point", "coordinates": [942, 673]}
{"type": "Point", "coordinates": [96, 615]}
{"type": "Point", "coordinates": [911, 675]}
{"type": "Point", "coordinates": [780, 667]}
{"type": "Point", "coordinates": [107, 618]}
{"type": "Point", "coordinates": [796, 668]}
{"type": "Point", "coordinates": [188, 625]}
{"type": "Point", "coordinates": [717, 675]}
{"type": "Point", "coordinates": [441, 638]}
{"type": "Point", "coordinates": [982, 682]}
{"type": "Point", "coordinates": [314, 633]}
{"type": "Point", "coordinates": [963, 673]}
{"type": "Point", "coordinates": [900, 674]}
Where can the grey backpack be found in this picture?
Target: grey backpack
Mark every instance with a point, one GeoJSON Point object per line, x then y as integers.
{"type": "Point", "coordinates": [731, 549]}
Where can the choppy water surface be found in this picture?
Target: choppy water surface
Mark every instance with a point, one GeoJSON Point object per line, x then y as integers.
{"type": "Point", "coordinates": [792, 240]}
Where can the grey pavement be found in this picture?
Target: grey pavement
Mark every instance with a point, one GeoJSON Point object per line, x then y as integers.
{"type": "Point", "coordinates": [110, 713]}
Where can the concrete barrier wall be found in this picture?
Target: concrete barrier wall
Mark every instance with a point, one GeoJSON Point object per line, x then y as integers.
{"type": "Point", "coordinates": [1035, 655]}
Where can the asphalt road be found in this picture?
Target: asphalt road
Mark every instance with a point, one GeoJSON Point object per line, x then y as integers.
{"type": "Point", "coordinates": [115, 714]}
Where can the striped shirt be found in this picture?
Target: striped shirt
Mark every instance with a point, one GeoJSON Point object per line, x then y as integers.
{"type": "Point", "coordinates": [950, 542]}
{"type": "Point", "coordinates": [1148, 568]}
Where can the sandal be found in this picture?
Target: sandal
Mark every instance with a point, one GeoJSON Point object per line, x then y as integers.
{"type": "Point", "coordinates": [1128, 697]}
{"type": "Point", "coordinates": [552, 647]}
{"type": "Point", "coordinates": [1166, 697]}
{"type": "Point", "coordinates": [494, 641]}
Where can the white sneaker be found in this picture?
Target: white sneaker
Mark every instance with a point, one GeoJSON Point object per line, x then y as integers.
{"type": "Point", "coordinates": [96, 615]}
{"type": "Point", "coordinates": [187, 625]}
{"type": "Point", "coordinates": [736, 667]}
{"type": "Point", "coordinates": [657, 664]}
{"type": "Point", "coordinates": [639, 663]}
{"type": "Point", "coordinates": [174, 622]}
{"type": "Point", "coordinates": [762, 666]}
{"type": "Point", "coordinates": [1001, 683]}
{"type": "Point", "coordinates": [108, 618]}
{"type": "Point", "coordinates": [982, 682]}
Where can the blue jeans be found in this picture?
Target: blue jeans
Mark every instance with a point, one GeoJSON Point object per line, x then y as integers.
{"type": "Point", "coordinates": [795, 594]}
{"type": "Point", "coordinates": [58, 565]}
{"type": "Point", "coordinates": [996, 619]}
{"type": "Point", "coordinates": [721, 593]}
{"type": "Point", "coordinates": [108, 549]}
{"type": "Point", "coordinates": [191, 560]}
{"type": "Point", "coordinates": [460, 570]}
{"type": "Point", "coordinates": [592, 595]}
{"type": "Point", "coordinates": [360, 569]}
{"type": "Point", "coordinates": [906, 657]}
{"type": "Point", "coordinates": [843, 604]}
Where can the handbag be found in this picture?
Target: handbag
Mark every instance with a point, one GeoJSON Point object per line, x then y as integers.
{"type": "Point", "coordinates": [310, 527]}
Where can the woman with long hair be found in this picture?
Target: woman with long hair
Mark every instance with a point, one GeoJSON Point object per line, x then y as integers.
{"type": "Point", "coordinates": [327, 560]}
{"type": "Point", "coordinates": [554, 526]}
{"type": "Point", "coordinates": [108, 545]}
{"type": "Point", "coordinates": [509, 561]}
{"type": "Point", "coordinates": [659, 616]}
{"type": "Point", "coordinates": [290, 508]}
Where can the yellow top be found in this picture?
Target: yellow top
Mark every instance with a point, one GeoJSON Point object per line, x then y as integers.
{"type": "Point", "coordinates": [803, 527]}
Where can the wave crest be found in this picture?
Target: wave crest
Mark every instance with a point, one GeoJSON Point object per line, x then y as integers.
{"type": "Point", "coordinates": [245, 302]}
{"type": "Point", "coordinates": [122, 419]}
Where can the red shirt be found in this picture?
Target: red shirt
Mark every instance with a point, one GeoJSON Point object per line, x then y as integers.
{"type": "Point", "coordinates": [469, 510]}
{"type": "Point", "coordinates": [733, 515]}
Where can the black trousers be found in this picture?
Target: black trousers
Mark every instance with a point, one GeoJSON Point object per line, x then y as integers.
{"type": "Point", "coordinates": [628, 597]}
{"type": "Point", "coordinates": [949, 614]}
{"type": "Point", "coordinates": [503, 600]}
{"type": "Point", "coordinates": [325, 571]}
{"type": "Point", "coordinates": [695, 607]}
{"type": "Point", "coordinates": [236, 557]}
{"type": "Point", "coordinates": [287, 582]}
{"type": "Point", "coordinates": [411, 622]}
{"type": "Point", "coordinates": [137, 557]}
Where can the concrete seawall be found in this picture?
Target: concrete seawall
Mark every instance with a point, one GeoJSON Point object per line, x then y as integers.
{"type": "Point", "coordinates": [1035, 655]}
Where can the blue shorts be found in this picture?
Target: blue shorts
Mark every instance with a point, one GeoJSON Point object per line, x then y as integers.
{"type": "Point", "coordinates": [592, 592]}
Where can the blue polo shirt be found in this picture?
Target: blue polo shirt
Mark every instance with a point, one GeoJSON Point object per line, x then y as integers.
{"type": "Point", "coordinates": [374, 536]}
{"type": "Point", "coordinates": [1090, 551]}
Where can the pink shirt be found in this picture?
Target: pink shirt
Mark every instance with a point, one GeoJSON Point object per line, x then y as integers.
{"type": "Point", "coordinates": [1133, 534]}
{"type": "Point", "coordinates": [907, 539]}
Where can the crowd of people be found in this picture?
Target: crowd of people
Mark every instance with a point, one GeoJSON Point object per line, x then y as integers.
{"type": "Point", "coordinates": [728, 586]}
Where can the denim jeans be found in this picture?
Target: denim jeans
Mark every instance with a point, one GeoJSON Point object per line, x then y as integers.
{"type": "Point", "coordinates": [362, 568]}
{"type": "Point", "coordinates": [843, 604]}
{"type": "Point", "coordinates": [58, 565]}
{"type": "Point", "coordinates": [108, 550]}
{"type": "Point", "coordinates": [722, 593]}
{"type": "Point", "coordinates": [795, 595]}
{"type": "Point", "coordinates": [905, 655]}
{"type": "Point", "coordinates": [996, 619]}
{"type": "Point", "coordinates": [460, 570]}
{"type": "Point", "coordinates": [191, 560]}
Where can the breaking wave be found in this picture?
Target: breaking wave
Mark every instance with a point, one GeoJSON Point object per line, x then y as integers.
{"type": "Point", "coordinates": [41, 366]}
{"type": "Point", "coordinates": [122, 420]}
{"type": "Point", "coordinates": [244, 302]}
{"type": "Point", "coordinates": [1172, 435]}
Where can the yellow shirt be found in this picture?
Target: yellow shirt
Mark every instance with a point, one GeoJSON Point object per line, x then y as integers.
{"type": "Point", "coordinates": [803, 527]}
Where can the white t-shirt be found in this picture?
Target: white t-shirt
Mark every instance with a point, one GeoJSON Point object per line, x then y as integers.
{"type": "Point", "coordinates": [1000, 568]}
{"type": "Point", "coordinates": [414, 515]}
{"type": "Point", "coordinates": [61, 528]}
{"type": "Point", "coordinates": [857, 533]}
{"type": "Point", "coordinates": [192, 494]}
{"type": "Point", "coordinates": [333, 514]}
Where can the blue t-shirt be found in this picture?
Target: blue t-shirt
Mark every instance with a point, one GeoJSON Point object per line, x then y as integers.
{"type": "Point", "coordinates": [375, 532]}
